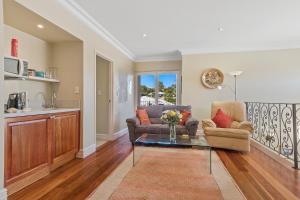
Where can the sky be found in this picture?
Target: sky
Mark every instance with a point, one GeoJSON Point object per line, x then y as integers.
{"type": "Point", "coordinates": [149, 80]}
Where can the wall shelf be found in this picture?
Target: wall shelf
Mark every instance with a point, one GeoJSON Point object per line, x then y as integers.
{"type": "Point", "coordinates": [8, 76]}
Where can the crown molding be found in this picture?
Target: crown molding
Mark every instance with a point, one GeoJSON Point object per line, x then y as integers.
{"type": "Point", "coordinates": [89, 20]}
{"type": "Point", "coordinates": [235, 50]}
{"type": "Point", "coordinates": [158, 58]}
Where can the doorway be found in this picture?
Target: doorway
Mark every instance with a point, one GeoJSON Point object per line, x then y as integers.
{"type": "Point", "coordinates": [103, 99]}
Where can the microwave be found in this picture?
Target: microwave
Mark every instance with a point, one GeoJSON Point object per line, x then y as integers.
{"type": "Point", "coordinates": [15, 66]}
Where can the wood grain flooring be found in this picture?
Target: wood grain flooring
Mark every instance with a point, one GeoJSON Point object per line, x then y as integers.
{"type": "Point", "coordinates": [78, 178]}
{"type": "Point", "coordinates": [261, 177]}
{"type": "Point", "coordinates": [258, 175]}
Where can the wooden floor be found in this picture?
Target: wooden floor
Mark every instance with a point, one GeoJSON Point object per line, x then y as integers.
{"type": "Point", "coordinates": [258, 176]}
{"type": "Point", "coordinates": [78, 178]}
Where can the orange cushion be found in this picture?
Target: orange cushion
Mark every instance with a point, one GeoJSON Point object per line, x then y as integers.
{"type": "Point", "coordinates": [222, 120]}
{"type": "Point", "coordinates": [185, 116]}
{"type": "Point", "coordinates": [143, 116]}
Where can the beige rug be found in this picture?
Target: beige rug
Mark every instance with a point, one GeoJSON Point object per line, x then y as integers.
{"type": "Point", "coordinates": [166, 173]}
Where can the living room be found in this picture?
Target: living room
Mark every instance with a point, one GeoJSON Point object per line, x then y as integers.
{"type": "Point", "coordinates": [201, 101]}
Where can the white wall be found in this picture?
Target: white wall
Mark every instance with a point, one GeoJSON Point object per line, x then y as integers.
{"type": "Point", "coordinates": [158, 66]}
{"type": "Point", "coordinates": [67, 58]}
{"type": "Point", "coordinates": [38, 54]}
{"type": "Point", "coordinates": [268, 76]}
{"type": "Point", "coordinates": [92, 42]}
{"type": "Point", "coordinates": [102, 86]}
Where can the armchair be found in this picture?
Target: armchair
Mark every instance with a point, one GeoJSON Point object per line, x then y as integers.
{"type": "Point", "coordinates": [237, 137]}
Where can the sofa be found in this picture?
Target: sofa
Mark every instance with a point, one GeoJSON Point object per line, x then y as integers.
{"type": "Point", "coordinates": [237, 137]}
{"type": "Point", "coordinates": [157, 126]}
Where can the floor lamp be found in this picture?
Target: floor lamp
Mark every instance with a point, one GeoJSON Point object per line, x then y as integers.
{"type": "Point", "coordinates": [235, 74]}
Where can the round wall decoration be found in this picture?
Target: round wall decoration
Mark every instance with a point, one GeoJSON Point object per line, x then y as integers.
{"type": "Point", "coordinates": [212, 78]}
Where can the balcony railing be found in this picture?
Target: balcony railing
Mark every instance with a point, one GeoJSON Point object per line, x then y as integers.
{"type": "Point", "coordinates": [150, 103]}
{"type": "Point", "coordinates": [276, 126]}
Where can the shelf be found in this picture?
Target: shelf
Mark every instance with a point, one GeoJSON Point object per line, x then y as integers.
{"type": "Point", "coordinates": [8, 75]}
{"type": "Point", "coordinates": [34, 78]}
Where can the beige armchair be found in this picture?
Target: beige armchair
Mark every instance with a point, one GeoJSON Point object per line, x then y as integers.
{"type": "Point", "coordinates": [237, 137]}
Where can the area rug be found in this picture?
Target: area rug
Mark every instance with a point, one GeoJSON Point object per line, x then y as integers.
{"type": "Point", "coordinates": [169, 174]}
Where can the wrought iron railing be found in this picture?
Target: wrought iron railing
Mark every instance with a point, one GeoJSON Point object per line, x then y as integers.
{"type": "Point", "coordinates": [150, 103]}
{"type": "Point", "coordinates": [276, 126]}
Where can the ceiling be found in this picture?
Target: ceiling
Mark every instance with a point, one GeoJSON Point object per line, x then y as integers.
{"type": "Point", "coordinates": [25, 20]}
{"type": "Point", "coordinates": [194, 26]}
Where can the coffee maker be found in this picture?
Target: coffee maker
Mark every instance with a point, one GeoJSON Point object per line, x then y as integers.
{"type": "Point", "coordinates": [17, 100]}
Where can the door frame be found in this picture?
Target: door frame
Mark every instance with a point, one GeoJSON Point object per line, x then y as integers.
{"type": "Point", "coordinates": [110, 93]}
{"type": "Point", "coordinates": [156, 73]}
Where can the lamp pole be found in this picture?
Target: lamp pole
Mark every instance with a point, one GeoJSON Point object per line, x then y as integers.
{"type": "Point", "coordinates": [235, 87]}
{"type": "Point", "coordinates": [235, 74]}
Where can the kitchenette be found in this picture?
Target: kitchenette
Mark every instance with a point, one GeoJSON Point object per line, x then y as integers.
{"type": "Point", "coordinates": [42, 95]}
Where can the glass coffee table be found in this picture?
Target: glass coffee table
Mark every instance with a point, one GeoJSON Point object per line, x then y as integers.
{"type": "Point", "coordinates": [163, 140]}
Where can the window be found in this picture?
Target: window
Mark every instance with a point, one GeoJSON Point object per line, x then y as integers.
{"type": "Point", "coordinates": [158, 88]}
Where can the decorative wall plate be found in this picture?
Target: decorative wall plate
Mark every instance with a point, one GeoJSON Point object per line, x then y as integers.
{"type": "Point", "coordinates": [212, 78]}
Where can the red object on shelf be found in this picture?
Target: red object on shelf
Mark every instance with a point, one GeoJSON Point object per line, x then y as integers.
{"type": "Point", "coordinates": [14, 47]}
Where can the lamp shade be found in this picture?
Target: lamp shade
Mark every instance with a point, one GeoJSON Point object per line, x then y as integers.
{"type": "Point", "coordinates": [235, 73]}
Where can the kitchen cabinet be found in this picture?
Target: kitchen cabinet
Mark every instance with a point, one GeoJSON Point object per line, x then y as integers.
{"type": "Point", "coordinates": [65, 138]}
{"type": "Point", "coordinates": [35, 145]}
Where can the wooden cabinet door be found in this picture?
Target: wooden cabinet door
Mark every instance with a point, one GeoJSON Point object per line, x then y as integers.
{"type": "Point", "coordinates": [27, 146]}
{"type": "Point", "coordinates": [65, 137]}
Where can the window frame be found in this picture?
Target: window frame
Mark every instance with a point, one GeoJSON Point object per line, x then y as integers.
{"type": "Point", "coordinates": [156, 77]}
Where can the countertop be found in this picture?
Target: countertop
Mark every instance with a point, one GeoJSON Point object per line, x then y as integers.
{"type": "Point", "coordinates": [40, 112]}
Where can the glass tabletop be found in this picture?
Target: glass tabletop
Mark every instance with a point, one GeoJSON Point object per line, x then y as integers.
{"type": "Point", "coordinates": [164, 140]}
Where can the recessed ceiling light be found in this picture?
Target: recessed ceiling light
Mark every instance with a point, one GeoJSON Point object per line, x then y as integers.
{"type": "Point", "coordinates": [220, 29]}
{"type": "Point", "coordinates": [144, 35]}
{"type": "Point", "coordinates": [40, 26]}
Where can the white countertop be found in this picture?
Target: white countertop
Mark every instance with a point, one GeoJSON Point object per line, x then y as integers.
{"type": "Point", "coordinates": [40, 112]}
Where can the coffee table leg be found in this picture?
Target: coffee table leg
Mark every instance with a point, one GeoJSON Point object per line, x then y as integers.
{"type": "Point", "coordinates": [133, 154]}
{"type": "Point", "coordinates": [210, 160]}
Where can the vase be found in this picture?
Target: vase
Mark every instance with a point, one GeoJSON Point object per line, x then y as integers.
{"type": "Point", "coordinates": [172, 132]}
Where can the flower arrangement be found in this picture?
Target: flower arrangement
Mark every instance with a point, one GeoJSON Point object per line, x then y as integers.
{"type": "Point", "coordinates": [171, 117]}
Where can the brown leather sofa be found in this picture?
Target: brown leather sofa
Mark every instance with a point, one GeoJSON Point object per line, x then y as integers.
{"type": "Point", "coordinates": [157, 126]}
{"type": "Point", "coordinates": [237, 137]}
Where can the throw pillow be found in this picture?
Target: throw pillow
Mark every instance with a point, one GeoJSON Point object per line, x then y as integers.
{"type": "Point", "coordinates": [222, 120]}
{"type": "Point", "coordinates": [143, 116]}
{"type": "Point", "coordinates": [185, 116]}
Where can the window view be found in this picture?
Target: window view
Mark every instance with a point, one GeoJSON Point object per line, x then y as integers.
{"type": "Point", "coordinates": [147, 85]}
{"type": "Point", "coordinates": [167, 89]}
{"type": "Point", "coordinates": [158, 89]}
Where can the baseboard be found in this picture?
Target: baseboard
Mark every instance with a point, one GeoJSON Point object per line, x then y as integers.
{"type": "Point", "coordinates": [103, 136]}
{"type": "Point", "coordinates": [86, 151]}
{"type": "Point", "coordinates": [119, 133]}
{"type": "Point", "coordinates": [3, 194]}
{"type": "Point", "coordinates": [274, 155]}
{"type": "Point", "coordinates": [113, 136]}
